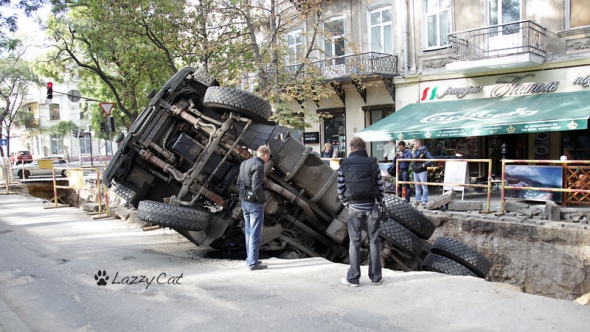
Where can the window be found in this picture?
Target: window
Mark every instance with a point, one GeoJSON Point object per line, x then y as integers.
{"type": "Point", "coordinates": [577, 14]}
{"type": "Point", "coordinates": [56, 144]}
{"type": "Point", "coordinates": [378, 149]}
{"type": "Point", "coordinates": [85, 143]}
{"type": "Point", "coordinates": [54, 112]}
{"type": "Point", "coordinates": [380, 26]}
{"type": "Point", "coordinates": [334, 40]}
{"type": "Point", "coordinates": [295, 44]}
{"type": "Point", "coordinates": [437, 22]}
{"type": "Point", "coordinates": [502, 12]}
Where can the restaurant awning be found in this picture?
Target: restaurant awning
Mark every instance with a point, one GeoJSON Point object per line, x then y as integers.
{"type": "Point", "coordinates": [481, 117]}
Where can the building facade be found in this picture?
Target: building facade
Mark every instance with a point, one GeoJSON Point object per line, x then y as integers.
{"type": "Point", "coordinates": [458, 55]}
{"type": "Point", "coordinates": [38, 136]}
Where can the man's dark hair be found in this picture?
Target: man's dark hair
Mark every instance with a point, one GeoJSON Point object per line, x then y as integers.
{"type": "Point", "coordinates": [401, 143]}
{"type": "Point", "coordinates": [358, 143]}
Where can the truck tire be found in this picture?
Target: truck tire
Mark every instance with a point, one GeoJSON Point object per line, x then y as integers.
{"type": "Point", "coordinates": [173, 216]}
{"type": "Point", "coordinates": [401, 237]}
{"type": "Point", "coordinates": [238, 101]}
{"type": "Point", "coordinates": [405, 214]}
{"type": "Point", "coordinates": [462, 253]}
{"type": "Point", "coordinates": [442, 264]}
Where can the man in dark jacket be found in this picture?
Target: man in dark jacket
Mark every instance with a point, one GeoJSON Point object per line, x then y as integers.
{"type": "Point", "coordinates": [404, 174]}
{"type": "Point", "coordinates": [253, 198]}
{"type": "Point", "coordinates": [359, 188]}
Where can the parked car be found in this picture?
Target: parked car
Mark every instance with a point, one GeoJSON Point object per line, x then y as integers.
{"type": "Point", "coordinates": [179, 163]}
{"type": "Point", "coordinates": [27, 170]}
{"type": "Point", "coordinates": [21, 157]}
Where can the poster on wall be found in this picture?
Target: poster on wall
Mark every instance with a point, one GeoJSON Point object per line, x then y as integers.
{"type": "Point", "coordinates": [534, 176]}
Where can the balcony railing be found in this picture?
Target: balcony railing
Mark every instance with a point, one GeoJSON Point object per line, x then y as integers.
{"type": "Point", "coordinates": [361, 65]}
{"type": "Point", "coordinates": [498, 40]}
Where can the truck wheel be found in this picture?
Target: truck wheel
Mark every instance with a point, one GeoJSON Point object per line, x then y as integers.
{"type": "Point", "coordinates": [238, 101]}
{"type": "Point", "coordinates": [405, 214]}
{"type": "Point", "coordinates": [401, 237]}
{"type": "Point", "coordinates": [27, 174]}
{"type": "Point", "coordinates": [442, 264]}
{"type": "Point", "coordinates": [462, 253]}
{"type": "Point", "coordinates": [173, 216]}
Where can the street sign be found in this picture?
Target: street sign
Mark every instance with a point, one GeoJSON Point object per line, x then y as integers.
{"type": "Point", "coordinates": [3, 142]}
{"type": "Point", "coordinates": [107, 107]}
{"type": "Point", "coordinates": [74, 96]}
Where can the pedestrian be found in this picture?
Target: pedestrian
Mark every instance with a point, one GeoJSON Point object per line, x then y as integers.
{"type": "Point", "coordinates": [420, 169]}
{"type": "Point", "coordinates": [327, 152]}
{"type": "Point", "coordinates": [360, 187]}
{"type": "Point", "coordinates": [404, 174]}
{"type": "Point", "coordinates": [252, 199]}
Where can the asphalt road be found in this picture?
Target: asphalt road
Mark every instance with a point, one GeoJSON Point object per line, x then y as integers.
{"type": "Point", "coordinates": [49, 274]}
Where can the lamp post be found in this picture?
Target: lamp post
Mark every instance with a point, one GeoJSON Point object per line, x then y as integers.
{"type": "Point", "coordinates": [504, 150]}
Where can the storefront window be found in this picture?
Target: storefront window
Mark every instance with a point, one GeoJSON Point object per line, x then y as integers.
{"type": "Point", "coordinates": [335, 134]}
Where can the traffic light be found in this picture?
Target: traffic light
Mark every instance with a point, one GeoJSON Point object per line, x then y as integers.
{"type": "Point", "coordinates": [49, 90]}
{"type": "Point", "coordinates": [103, 127]}
{"type": "Point", "coordinates": [75, 132]}
{"type": "Point", "coordinates": [111, 124]}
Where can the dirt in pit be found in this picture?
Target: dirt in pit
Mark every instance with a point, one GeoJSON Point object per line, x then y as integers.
{"type": "Point", "coordinates": [44, 190]}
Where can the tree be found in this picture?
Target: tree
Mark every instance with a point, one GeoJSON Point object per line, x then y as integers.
{"type": "Point", "coordinates": [16, 77]}
{"type": "Point", "coordinates": [123, 49]}
{"type": "Point", "coordinates": [120, 50]}
{"type": "Point", "coordinates": [260, 48]}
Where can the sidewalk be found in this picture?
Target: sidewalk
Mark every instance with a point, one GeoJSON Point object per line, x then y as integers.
{"type": "Point", "coordinates": [223, 295]}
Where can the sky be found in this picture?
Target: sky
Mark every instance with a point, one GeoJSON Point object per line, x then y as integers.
{"type": "Point", "coordinates": [29, 30]}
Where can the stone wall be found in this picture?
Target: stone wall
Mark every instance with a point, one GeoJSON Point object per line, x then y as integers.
{"type": "Point", "coordinates": [543, 258]}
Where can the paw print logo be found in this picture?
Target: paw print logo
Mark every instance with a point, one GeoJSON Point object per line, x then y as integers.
{"type": "Point", "coordinates": [101, 277]}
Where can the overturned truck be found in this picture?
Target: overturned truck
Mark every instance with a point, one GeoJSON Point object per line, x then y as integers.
{"type": "Point", "coordinates": [179, 164]}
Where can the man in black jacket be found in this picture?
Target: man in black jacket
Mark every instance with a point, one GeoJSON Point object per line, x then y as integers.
{"type": "Point", "coordinates": [359, 188]}
{"type": "Point", "coordinates": [252, 200]}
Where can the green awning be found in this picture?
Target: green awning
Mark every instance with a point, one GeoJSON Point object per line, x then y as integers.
{"type": "Point", "coordinates": [481, 117]}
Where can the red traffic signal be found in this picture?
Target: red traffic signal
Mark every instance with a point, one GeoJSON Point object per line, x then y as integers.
{"type": "Point", "coordinates": [49, 90]}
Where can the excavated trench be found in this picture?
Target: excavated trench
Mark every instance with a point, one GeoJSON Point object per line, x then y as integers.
{"type": "Point", "coordinates": [540, 257]}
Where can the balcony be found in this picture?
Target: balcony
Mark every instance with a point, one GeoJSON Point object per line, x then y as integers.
{"type": "Point", "coordinates": [503, 46]}
{"type": "Point", "coordinates": [354, 66]}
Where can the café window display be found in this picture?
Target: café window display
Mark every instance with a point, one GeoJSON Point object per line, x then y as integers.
{"type": "Point", "coordinates": [335, 134]}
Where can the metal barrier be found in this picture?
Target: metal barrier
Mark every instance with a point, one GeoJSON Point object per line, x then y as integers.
{"type": "Point", "coordinates": [8, 178]}
{"type": "Point", "coordinates": [487, 186]}
{"type": "Point", "coordinates": [542, 162]}
{"type": "Point", "coordinates": [100, 190]}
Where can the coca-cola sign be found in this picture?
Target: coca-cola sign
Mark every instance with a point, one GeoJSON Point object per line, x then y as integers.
{"type": "Point", "coordinates": [450, 117]}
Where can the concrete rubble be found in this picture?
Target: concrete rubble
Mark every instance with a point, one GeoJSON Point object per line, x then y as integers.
{"type": "Point", "coordinates": [443, 199]}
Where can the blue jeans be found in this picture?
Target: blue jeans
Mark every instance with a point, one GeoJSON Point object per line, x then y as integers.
{"type": "Point", "coordinates": [357, 221]}
{"type": "Point", "coordinates": [404, 175]}
{"type": "Point", "coordinates": [421, 190]}
{"type": "Point", "coordinates": [253, 221]}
